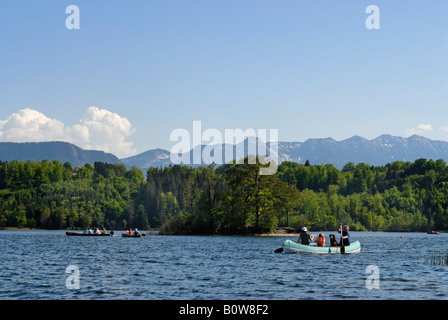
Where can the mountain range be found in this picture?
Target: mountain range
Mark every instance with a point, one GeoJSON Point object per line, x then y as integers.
{"type": "Point", "coordinates": [57, 150]}
{"type": "Point", "coordinates": [379, 151]}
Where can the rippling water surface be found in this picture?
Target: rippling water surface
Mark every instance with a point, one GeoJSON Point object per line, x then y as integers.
{"type": "Point", "coordinates": [33, 266]}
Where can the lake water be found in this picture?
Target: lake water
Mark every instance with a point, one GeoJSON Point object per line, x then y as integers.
{"type": "Point", "coordinates": [33, 266]}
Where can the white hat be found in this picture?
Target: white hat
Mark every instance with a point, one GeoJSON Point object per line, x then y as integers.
{"type": "Point", "coordinates": [304, 229]}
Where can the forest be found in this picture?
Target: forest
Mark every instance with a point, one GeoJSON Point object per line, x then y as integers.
{"type": "Point", "coordinates": [227, 199]}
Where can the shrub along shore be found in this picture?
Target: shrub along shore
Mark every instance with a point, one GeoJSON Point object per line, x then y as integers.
{"type": "Point", "coordinates": [227, 199]}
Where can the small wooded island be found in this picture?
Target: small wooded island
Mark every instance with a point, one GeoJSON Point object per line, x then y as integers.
{"type": "Point", "coordinates": [227, 199]}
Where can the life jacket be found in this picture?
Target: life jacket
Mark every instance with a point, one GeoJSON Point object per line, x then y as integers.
{"type": "Point", "coordinates": [320, 241]}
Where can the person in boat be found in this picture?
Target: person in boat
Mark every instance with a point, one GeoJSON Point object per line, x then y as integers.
{"type": "Point", "coordinates": [86, 231]}
{"type": "Point", "coordinates": [305, 237]}
{"type": "Point", "coordinates": [345, 236]}
{"type": "Point", "coordinates": [104, 231]}
{"type": "Point", "coordinates": [320, 240]}
{"type": "Point", "coordinates": [90, 231]}
{"type": "Point", "coordinates": [136, 232]}
{"type": "Point", "coordinates": [97, 231]}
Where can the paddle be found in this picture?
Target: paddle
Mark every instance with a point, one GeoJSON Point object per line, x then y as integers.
{"type": "Point", "coordinates": [279, 250]}
{"type": "Point", "coordinates": [342, 242]}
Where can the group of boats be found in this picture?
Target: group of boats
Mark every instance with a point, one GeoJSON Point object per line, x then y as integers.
{"type": "Point", "coordinates": [288, 246]}
{"type": "Point", "coordinates": [123, 234]}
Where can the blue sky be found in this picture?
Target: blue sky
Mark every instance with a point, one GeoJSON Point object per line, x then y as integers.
{"type": "Point", "coordinates": [137, 70]}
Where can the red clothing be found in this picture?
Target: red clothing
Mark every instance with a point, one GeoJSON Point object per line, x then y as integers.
{"type": "Point", "coordinates": [320, 241]}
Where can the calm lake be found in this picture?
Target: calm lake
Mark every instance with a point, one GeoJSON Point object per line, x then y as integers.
{"type": "Point", "coordinates": [33, 266]}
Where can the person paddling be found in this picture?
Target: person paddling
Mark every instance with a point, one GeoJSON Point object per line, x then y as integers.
{"type": "Point", "coordinates": [345, 236]}
{"type": "Point", "coordinates": [305, 237]}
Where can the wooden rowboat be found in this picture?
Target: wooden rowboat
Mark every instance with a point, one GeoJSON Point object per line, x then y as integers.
{"type": "Point", "coordinates": [81, 234]}
{"type": "Point", "coordinates": [293, 247]}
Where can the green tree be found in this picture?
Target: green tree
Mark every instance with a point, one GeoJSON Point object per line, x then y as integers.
{"type": "Point", "coordinates": [253, 197]}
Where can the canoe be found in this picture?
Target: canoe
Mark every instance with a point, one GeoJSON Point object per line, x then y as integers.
{"type": "Point", "coordinates": [87, 234]}
{"type": "Point", "coordinates": [433, 232]}
{"type": "Point", "coordinates": [127, 235]}
{"type": "Point", "coordinates": [293, 247]}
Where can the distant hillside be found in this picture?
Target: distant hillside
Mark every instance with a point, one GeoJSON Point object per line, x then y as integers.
{"type": "Point", "coordinates": [379, 151]}
{"type": "Point", "coordinates": [61, 151]}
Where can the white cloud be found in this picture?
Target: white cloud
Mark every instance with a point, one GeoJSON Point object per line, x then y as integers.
{"type": "Point", "coordinates": [30, 125]}
{"type": "Point", "coordinates": [99, 129]}
{"type": "Point", "coordinates": [421, 128]}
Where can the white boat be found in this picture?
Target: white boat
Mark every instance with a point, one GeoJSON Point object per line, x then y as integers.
{"type": "Point", "coordinates": [294, 247]}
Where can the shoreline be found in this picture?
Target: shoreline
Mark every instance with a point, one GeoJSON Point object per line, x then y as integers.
{"type": "Point", "coordinates": [279, 232]}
